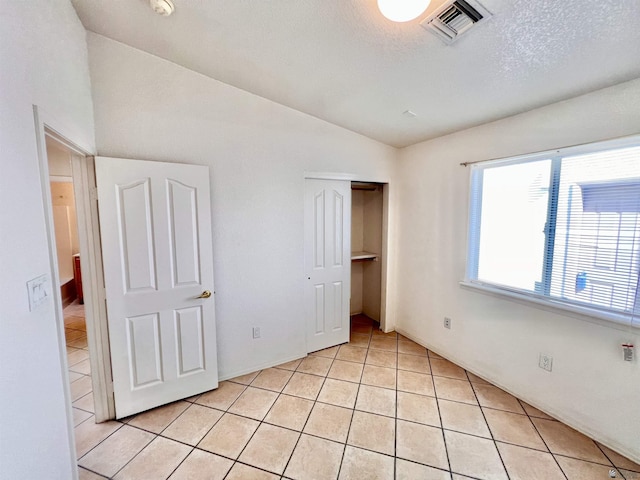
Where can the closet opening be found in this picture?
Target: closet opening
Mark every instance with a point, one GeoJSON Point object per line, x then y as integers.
{"type": "Point", "coordinates": [368, 242]}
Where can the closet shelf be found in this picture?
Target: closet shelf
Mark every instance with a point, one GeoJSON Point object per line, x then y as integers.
{"type": "Point", "coordinates": [364, 256]}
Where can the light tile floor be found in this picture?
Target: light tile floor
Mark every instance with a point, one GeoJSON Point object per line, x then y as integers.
{"type": "Point", "coordinates": [380, 407]}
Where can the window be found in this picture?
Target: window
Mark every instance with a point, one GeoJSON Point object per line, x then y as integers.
{"type": "Point", "coordinates": [561, 227]}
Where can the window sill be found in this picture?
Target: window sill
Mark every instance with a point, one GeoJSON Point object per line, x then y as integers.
{"type": "Point", "coordinates": [607, 319]}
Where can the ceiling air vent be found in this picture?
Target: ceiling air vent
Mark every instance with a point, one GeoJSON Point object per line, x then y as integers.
{"type": "Point", "coordinates": [455, 18]}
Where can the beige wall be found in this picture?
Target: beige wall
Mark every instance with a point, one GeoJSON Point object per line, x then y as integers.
{"type": "Point", "coordinates": [591, 387]}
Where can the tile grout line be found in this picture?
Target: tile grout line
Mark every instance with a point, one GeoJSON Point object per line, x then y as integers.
{"type": "Point", "coordinates": [489, 427]}
{"type": "Point", "coordinates": [435, 393]}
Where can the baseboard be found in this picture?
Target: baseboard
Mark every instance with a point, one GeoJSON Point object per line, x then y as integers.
{"type": "Point", "coordinates": [228, 376]}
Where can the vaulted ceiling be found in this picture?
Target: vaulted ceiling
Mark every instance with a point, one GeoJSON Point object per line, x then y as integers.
{"type": "Point", "coordinates": [341, 61]}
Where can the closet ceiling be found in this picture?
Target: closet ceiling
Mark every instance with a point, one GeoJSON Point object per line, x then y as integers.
{"type": "Point", "coordinates": [341, 61]}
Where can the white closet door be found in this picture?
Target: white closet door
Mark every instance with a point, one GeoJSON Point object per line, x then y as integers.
{"type": "Point", "coordinates": [327, 262]}
{"type": "Point", "coordinates": [155, 225]}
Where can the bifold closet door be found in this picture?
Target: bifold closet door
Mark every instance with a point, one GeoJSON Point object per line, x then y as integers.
{"type": "Point", "coordinates": [327, 243]}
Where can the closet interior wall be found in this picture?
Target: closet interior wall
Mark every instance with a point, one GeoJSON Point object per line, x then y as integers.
{"type": "Point", "coordinates": [366, 236]}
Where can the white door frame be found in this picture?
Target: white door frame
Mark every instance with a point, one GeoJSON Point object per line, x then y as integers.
{"type": "Point", "coordinates": [91, 259]}
{"type": "Point", "coordinates": [385, 305]}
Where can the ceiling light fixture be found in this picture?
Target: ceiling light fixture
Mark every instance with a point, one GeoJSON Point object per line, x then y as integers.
{"type": "Point", "coordinates": [402, 10]}
{"type": "Point", "coordinates": [162, 7]}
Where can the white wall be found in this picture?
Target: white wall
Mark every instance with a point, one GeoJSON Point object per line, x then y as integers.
{"type": "Point", "coordinates": [44, 62]}
{"type": "Point", "coordinates": [257, 152]}
{"type": "Point", "coordinates": [591, 388]}
{"type": "Point", "coordinates": [357, 245]}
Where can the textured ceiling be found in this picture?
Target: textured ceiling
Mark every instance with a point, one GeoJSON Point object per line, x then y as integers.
{"type": "Point", "coordinates": [341, 61]}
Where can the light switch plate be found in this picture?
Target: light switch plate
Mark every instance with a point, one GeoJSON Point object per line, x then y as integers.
{"type": "Point", "coordinates": [39, 291]}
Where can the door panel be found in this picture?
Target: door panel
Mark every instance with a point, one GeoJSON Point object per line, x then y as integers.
{"type": "Point", "coordinates": [155, 226]}
{"type": "Point", "coordinates": [327, 262]}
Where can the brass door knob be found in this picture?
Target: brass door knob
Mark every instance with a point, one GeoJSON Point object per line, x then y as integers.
{"type": "Point", "coordinates": [205, 294]}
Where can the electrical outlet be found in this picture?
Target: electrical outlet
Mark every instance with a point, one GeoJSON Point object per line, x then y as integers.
{"type": "Point", "coordinates": [256, 332]}
{"type": "Point", "coordinates": [545, 362]}
{"type": "Point", "coordinates": [447, 322]}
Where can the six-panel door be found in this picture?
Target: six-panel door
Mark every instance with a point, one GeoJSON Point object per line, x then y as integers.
{"type": "Point", "coordinates": [155, 224]}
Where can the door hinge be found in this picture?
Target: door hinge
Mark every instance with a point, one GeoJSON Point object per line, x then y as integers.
{"type": "Point", "coordinates": [93, 193]}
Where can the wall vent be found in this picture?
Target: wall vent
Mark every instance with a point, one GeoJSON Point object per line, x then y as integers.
{"type": "Point", "coordinates": [455, 18]}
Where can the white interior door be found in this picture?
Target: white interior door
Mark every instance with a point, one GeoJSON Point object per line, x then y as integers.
{"type": "Point", "coordinates": [155, 225]}
{"type": "Point", "coordinates": [327, 246]}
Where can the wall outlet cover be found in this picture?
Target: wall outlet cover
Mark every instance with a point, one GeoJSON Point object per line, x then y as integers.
{"type": "Point", "coordinates": [447, 322]}
{"type": "Point", "coordinates": [545, 362]}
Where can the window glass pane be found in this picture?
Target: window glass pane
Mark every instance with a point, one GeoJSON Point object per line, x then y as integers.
{"type": "Point", "coordinates": [514, 211]}
{"type": "Point", "coordinates": [597, 247]}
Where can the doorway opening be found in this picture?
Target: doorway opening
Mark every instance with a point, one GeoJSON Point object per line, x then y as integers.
{"type": "Point", "coordinates": [368, 255]}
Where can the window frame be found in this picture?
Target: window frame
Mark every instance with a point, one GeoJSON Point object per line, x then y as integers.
{"type": "Point", "coordinates": [533, 298]}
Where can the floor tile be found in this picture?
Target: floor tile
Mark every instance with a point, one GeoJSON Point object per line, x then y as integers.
{"type": "Point", "coordinates": [381, 343]}
{"type": "Point", "coordinates": [327, 352]}
{"type": "Point", "coordinates": [359, 464]}
{"type": "Point", "coordinates": [329, 421]}
{"type": "Point", "coordinates": [272, 379]}
{"type": "Point", "coordinates": [85, 403]}
{"type": "Point", "coordinates": [315, 458]}
{"type": "Point", "coordinates": [476, 379]}
{"type": "Point", "coordinates": [513, 428]}
{"type": "Point", "coordinates": [382, 358]}
{"type": "Point", "coordinates": [87, 475]}
{"type": "Point", "coordinates": [377, 400]}
{"type": "Point", "coordinates": [463, 418]}
{"type": "Point", "coordinates": [116, 451]}
{"type": "Point", "coordinates": [412, 439]}
{"type": "Point", "coordinates": [415, 383]}
{"type": "Point", "coordinates": [80, 388]}
{"type": "Point", "coordinates": [89, 434]}
{"type": "Point", "coordinates": [444, 368]}
{"type": "Point", "coordinates": [292, 365]}
{"type": "Point", "coordinates": [193, 424]}
{"type": "Point", "coordinates": [229, 436]}
{"type": "Point", "coordinates": [581, 470]}
{"type": "Point", "coordinates": [350, 353]}
{"type": "Point", "coordinates": [494, 397]}
{"type": "Point", "coordinates": [244, 472]}
{"type": "Point", "coordinates": [254, 403]}
{"type": "Point", "coordinates": [80, 416]}
{"type": "Point", "coordinates": [629, 475]}
{"type": "Point", "coordinates": [456, 390]}
{"type": "Point", "coordinates": [245, 379]}
{"type": "Point", "coordinates": [433, 354]}
{"type": "Point", "coordinates": [339, 392]}
{"type": "Point", "coordinates": [83, 367]}
{"type": "Point", "coordinates": [361, 329]}
{"type": "Point", "coordinates": [76, 357]}
{"type": "Point", "coordinates": [349, 371]}
{"type": "Point", "coordinates": [379, 376]}
{"type": "Point", "coordinates": [373, 432]}
{"type": "Point", "coordinates": [473, 456]}
{"type": "Point", "coordinates": [527, 464]}
{"type": "Point", "coordinates": [413, 363]}
{"type": "Point", "coordinates": [304, 385]}
{"type": "Point", "coordinates": [411, 347]}
{"type": "Point", "coordinates": [201, 465]}
{"type": "Point", "coordinates": [315, 365]}
{"type": "Point", "coordinates": [411, 471]}
{"type": "Point", "coordinates": [289, 412]}
{"type": "Point", "coordinates": [158, 419]}
{"type": "Point", "coordinates": [80, 342]}
{"type": "Point", "coordinates": [359, 340]}
{"type": "Point", "coordinates": [564, 440]}
{"type": "Point", "coordinates": [534, 412]}
{"type": "Point", "coordinates": [619, 460]}
{"type": "Point", "coordinates": [222, 397]}
{"type": "Point", "coordinates": [157, 460]}
{"type": "Point", "coordinates": [418, 408]}
{"type": "Point", "coordinates": [270, 448]}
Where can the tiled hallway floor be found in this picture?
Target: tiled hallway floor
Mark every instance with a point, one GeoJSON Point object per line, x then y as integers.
{"type": "Point", "coordinates": [380, 407]}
